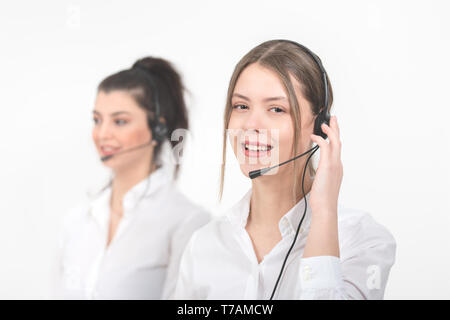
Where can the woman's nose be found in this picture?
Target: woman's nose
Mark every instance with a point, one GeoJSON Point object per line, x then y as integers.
{"type": "Point", "coordinates": [105, 130]}
{"type": "Point", "coordinates": [254, 121]}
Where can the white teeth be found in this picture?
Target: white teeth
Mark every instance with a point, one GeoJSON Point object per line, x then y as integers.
{"type": "Point", "coordinates": [107, 149]}
{"type": "Point", "coordinates": [257, 148]}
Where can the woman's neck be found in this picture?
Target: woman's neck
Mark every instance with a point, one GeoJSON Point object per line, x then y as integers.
{"type": "Point", "coordinates": [124, 180]}
{"type": "Point", "coordinates": [272, 197]}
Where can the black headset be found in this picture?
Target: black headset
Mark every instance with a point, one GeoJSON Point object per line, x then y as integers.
{"type": "Point", "coordinates": [324, 115]}
{"type": "Point", "coordinates": [159, 129]}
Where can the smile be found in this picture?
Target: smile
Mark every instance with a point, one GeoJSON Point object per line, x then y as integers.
{"type": "Point", "coordinates": [108, 150]}
{"type": "Point", "coordinates": [256, 149]}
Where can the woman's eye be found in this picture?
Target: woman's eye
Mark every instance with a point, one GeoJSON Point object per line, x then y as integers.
{"type": "Point", "coordinates": [277, 109]}
{"type": "Point", "coordinates": [240, 106]}
{"type": "Point", "coordinates": [120, 122]}
{"type": "Point", "coordinates": [96, 121]}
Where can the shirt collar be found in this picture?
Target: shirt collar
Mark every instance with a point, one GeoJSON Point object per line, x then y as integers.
{"type": "Point", "coordinates": [148, 186]}
{"type": "Point", "coordinates": [288, 224]}
{"type": "Point", "coordinates": [100, 207]}
{"type": "Point", "coordinates": [238, 214]}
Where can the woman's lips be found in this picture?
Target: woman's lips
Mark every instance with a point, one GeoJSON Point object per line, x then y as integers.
{"type": "Point", "coordinates": [108, 150]}
{"type": "Point", "coordinates": [256, 150]}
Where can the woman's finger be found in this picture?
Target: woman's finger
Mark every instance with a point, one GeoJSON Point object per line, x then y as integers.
{"type": "Point", "coordinates": [339, 137]}
{"type": "Point", "coordinates": [335, 142]}
{"type": "Point", "coordinates": [322, 143]}
{"type": "Point", "coordinates": [335, 126]}
{"type": "Point", "coordinates": [332, 135]}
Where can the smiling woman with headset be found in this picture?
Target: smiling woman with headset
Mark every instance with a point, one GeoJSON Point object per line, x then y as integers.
{"type": "Point", "coordinates": [287, 238]}
{"type": "Point", "coordinates": [127, 242]}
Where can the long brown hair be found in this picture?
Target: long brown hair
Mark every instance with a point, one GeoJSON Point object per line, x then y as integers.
{"type": "Point", "coordinates": [285, 59]}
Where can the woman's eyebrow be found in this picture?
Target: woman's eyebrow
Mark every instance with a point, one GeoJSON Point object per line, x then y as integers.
{"type": "Point", "coordinates": [112, 114]}
{"type": "Point", "coordinates": [275, 99]}
{"type": "Point", "coordinates": [240, 96]}
{"type": "Point", "coordinates": [269, 99]}
{"type": "Point", "coordinates": [119, 112]}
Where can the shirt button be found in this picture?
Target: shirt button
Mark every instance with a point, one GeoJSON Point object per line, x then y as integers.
{"type": "Point", "coordinates": [307, 272]}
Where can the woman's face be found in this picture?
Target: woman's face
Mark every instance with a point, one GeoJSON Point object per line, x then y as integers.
{"type": "Point", "coordinates": [262, 131]}
{"type": "Point", "coordinates": [120, 124]}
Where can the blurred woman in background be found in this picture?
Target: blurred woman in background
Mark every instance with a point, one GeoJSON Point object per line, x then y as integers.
{"type": "Point", "coordinates": [127, 242]}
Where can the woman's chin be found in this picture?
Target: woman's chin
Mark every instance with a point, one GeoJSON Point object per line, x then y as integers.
{"type": "Point", "coordinates": [246, 169]}
{"type": "Point", "coordinates": [111, 164]}
{"type": "Point", "coordinates": [117, 165]}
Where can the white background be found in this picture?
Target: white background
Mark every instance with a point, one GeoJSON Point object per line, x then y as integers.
{"type": "Point", "coordinates": [388, 62]}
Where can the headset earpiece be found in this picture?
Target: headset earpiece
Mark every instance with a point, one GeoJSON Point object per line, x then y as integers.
{"type": "Point", "coordinates": [159, 131]}
{"type": "Point", "coordinates": [322, 117]}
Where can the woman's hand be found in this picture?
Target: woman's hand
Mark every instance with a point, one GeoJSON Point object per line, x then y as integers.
{"type": "Point", "coordinates": [323, 239]}
{"type": "Point", "coordinates": [327, 182]}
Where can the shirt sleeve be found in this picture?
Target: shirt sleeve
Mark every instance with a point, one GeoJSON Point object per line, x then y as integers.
{"type": "Point", "coordinates": [63, 235]}
{"type": "Point", "coordinates": [180, 239]}
{"type": "Point", "coordinates": [57, 265]}
{"type": "Point", "coordinates": [185, 282]}
{"type": "Point", "coordinates": [66, 278]}
{"type": "Point", "coordinates": [360, 273]}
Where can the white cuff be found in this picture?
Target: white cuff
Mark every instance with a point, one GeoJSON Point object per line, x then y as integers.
{"type": "Point", "coordinates": [321, 272]}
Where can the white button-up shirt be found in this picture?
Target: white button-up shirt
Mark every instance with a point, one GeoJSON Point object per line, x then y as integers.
{"type": "Point", "coordinates": [219, 261]}
{"type": "Point", "coordinates": [142, 260]}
